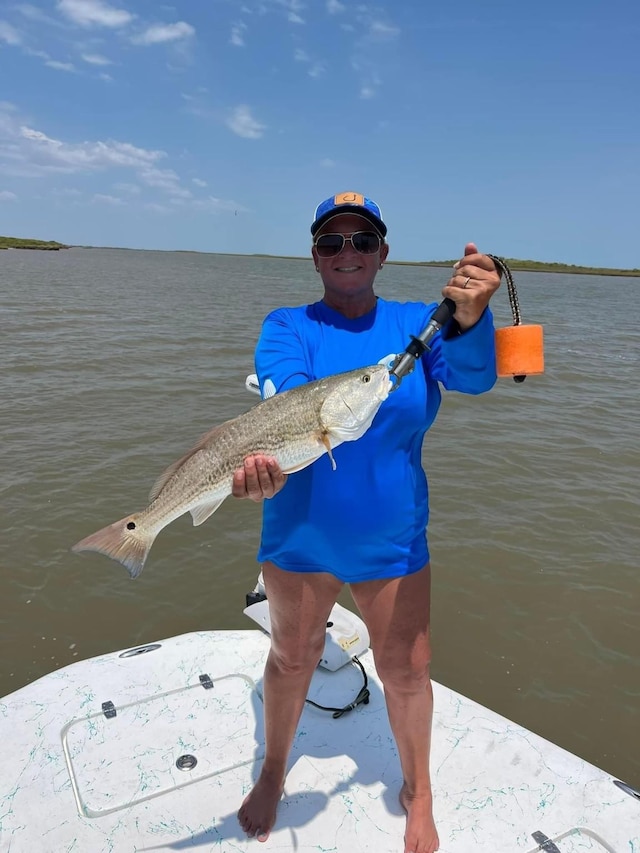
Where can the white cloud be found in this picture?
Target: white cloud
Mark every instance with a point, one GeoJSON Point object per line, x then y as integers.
{"type": "Point", "coordinates": [96, 59]}
{"type": "Point", "coordinates": [327, 163]}
{"type": "Point", "coordinates": [101, 198]}
{"type": "Point", "coordinates": [60, 66]}
{"type": "Point", "coordinates": [195, 108]}
{"type": "Point", "coordinates": [85, 156]}
{"type": "Point", "coordinates": [380, 31]}
{"type": "Point", "coordinates": [32, 13]}
{"type": "Point", "coordinates": [69, 67]}
{"type": "Point", "coordinates": [164, 179]}
{"type": "Point", "coordinates": [156, 208]}
{"type": "Point", "coordinates": [39, 54]}
{"type": "Point", "coordinates": [237, 35]}
{"type": "Point", "coordinates": [218, 205]}
{"type": "Point", "coordinates": [30, 153]}
{"type": "Point", "coordinates": [123, 187]}
{"type": "Point", "coordinates": [243, 124]}
{"type": "Point", "coordinates": [293, 7]}
{"type": "Point", "coordinates": [9, 34]}
{"type": "Point", "coordinates": [316, 69]}
{"type": "Point", "coordinates": [88, 13]}
{"type": "Point", "coordinates": [334, 7]}
{"type": "Point", "coordinates": [160, 33]}
{"type": "Point", "coordinates": [27, 152]}
{"type": "Point", "coordinates": [5, 195]}
{"type": "Point", "coordinates": [66, 192]}
{"type": "Point", "coordinates": [367, 58]}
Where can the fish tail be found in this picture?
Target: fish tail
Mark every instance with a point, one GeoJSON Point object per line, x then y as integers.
{"type": "Point", "coordinates": [124, 541]}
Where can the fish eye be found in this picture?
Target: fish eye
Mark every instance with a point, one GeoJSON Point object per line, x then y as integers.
{"type": "Point", "coordinates": [366, 378]}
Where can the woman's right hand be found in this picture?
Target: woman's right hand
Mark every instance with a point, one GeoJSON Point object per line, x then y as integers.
{"type": "Point", "coordinates": [261, 477]}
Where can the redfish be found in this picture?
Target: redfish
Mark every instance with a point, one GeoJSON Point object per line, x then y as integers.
{"type": "Point", "coordinates": [295, 427]}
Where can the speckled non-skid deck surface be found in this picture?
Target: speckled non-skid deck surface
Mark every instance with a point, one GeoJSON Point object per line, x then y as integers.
{"type": "Point", "coordinates": [155, 752]}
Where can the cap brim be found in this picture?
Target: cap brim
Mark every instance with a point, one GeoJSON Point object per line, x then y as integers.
{"type": "Point", "coordinates": [349, 208]}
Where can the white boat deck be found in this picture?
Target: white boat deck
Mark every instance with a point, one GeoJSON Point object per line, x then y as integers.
{"type": "Point", "coordinates": [74, 780]}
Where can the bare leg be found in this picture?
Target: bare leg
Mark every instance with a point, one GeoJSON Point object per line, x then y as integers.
{"type": "Point", "coordinates": [299, 606]}
{"type": "Point", "coordinates": [396, 612]}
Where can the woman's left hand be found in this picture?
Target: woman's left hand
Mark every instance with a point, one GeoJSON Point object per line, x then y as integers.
{"type": "Point", "coordinates": [260, 477]}
{"type": "Point", "coordinates": [472, 285]}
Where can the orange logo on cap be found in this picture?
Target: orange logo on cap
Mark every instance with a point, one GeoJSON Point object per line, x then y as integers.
{"type": "Point", "coordinates": [349, 198]}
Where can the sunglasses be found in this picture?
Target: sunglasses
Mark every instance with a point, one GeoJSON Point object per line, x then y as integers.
{"type": "Point", "coordinates": [364, 242]}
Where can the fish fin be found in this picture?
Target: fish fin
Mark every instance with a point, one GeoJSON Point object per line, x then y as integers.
{"type": "Point", "coordinates": [203, 511]}
{"type": "Point", "coordinates": [306, 462]}
{"type": "Point", "coordinates": [299, 467]}
{"type": "Point", "coordinates": [121, 542]}
{"type": "Point", "coordinates": [164, 478]}
{"type": "Point", "coordinates": [327, 444]}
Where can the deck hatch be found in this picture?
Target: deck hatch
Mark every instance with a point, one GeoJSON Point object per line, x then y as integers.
{"type": "Point", "coordinates": [115, 761]}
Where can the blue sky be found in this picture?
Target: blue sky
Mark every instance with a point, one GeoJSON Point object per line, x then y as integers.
{"type": "Point", "coordinates": [218, 125]}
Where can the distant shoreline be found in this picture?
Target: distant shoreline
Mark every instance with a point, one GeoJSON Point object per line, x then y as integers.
{"type": "Point", "coordinates": [514, 263]}
{"type": "Point", "coordinates": [27, 243]}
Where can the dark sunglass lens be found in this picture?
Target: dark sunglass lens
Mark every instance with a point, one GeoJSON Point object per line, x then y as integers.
{"type": "Point", "coordinates": [329, 245]}
{"type": "Point", "coordinates": [366, 242]}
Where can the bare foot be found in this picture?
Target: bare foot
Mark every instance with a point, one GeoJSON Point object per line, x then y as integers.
{"type": "Point", "coordinates": [420, 835]}
{"type": "Point", "coordinates": [257, 813]}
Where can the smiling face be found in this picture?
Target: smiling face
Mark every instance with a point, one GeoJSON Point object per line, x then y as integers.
{"type": "Point", "coordinates": [348, 276]}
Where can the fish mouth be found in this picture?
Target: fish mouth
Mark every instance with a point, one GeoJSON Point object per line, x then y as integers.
{"type": "Point", "coordinates": [385, 390]}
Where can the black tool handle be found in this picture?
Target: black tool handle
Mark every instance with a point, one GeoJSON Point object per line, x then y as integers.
{"type": "Point", "coordinates": [444, 312]}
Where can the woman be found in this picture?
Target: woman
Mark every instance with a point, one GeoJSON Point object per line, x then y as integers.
{"type": "Point", "coordinates": [365, 523]}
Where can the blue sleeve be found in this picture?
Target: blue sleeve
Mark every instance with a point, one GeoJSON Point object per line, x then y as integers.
{"type": "Point", "coordinates": [465, 362]}
{"type": "Point", "coordinates": [280, 359]}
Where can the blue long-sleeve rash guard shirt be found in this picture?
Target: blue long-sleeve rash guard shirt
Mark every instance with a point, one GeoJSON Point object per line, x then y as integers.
{"type": "Point", "coordinates": [367, 519]}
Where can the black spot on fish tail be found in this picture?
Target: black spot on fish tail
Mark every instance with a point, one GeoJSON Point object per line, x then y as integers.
{"type": "Point", "coordinates": [123, 541]}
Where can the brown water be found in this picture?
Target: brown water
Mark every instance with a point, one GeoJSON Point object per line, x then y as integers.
{"type": "Point", "coordinates": [113, 362]}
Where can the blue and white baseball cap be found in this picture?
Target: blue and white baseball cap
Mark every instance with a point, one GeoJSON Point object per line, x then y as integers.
{"type": "Point", "coordinates": [348, 202]}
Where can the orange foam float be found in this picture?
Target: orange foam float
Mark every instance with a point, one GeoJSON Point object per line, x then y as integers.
{"type": "Point", "coordinates": [519, 350]}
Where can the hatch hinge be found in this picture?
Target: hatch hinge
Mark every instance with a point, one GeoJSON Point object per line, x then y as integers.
{"type": "Point", "coordinates": [109, 710]}
{"type": "Point", "coordinates": [544, 843]}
